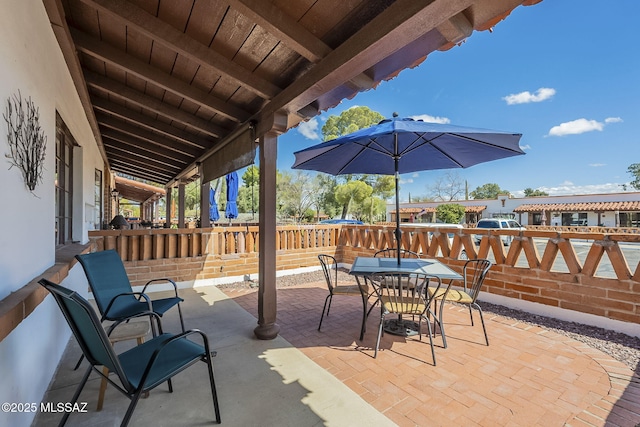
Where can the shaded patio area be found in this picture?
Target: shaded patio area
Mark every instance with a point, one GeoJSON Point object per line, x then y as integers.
{"type": "Point", "coordinates": [527, 376]}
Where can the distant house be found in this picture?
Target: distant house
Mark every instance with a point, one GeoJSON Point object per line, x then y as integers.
{"type": "Point", "coordinates": [608, 210]}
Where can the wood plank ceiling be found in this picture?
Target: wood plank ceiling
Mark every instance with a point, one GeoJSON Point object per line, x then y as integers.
{"type": "Point", "coordinates": [165, 82]}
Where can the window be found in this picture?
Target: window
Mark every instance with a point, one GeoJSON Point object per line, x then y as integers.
{"type": "Point", "coordinates": [63, 182]}
{"type": "Point", "coordinates": [97, 200]}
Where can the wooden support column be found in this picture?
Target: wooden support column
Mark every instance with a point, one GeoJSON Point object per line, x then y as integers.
{"type": "Point", "coordinates": [181, 205]}
{"type": "Point", "coordinates": [267, 300]}
{"type": "Point", "coordinates": [205, 222]}
{"type": "Point", "coordinates": [167, 222]}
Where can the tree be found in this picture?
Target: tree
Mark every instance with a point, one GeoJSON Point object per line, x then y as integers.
{"type": "Point", "coordinates": [488, 191]}
{"type": "Point", "coordinates": [530, 192]}
{"type": "Point", "coordinates": [248, 193]}
{"type": "Point", "coordinates": [349, 121]}
{"type": "Point", "coordinates": [296, 193]}
{"type": "Point", "coordinates": [451, 213]}
{"type": "Point", "coordinates": [447, 187]}
{"type": "Point", "coordinates": [634, 170]}
{"type": "Point", "coordinates": [352, 191]}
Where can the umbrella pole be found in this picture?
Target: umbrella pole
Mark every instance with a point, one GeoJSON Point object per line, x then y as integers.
{"type": "Point", "coordinates": [396, 159]}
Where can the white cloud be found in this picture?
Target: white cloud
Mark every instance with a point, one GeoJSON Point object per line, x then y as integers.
{"type": "Point", "coordinates": [576, 127]}
{"type": "Point", "coordinates": [525, 147]}
{"type": "Point", "coordinates": [406, 181]}
{"type": "Point", "coordinates": [431, 119]}
{"type": "Point", "coordinates": [309, 129]}
{"type": "Point", "coordinates": [415, 175]}
{"type": "Point", "coordinates": [526, 97]}
{"type": "Point", "coordinates": [597, 165]}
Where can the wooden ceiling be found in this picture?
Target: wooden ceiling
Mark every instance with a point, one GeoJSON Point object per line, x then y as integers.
{"type": "Point", "coordinates": [165, 83]}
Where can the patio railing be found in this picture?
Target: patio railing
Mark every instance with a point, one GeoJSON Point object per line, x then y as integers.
{"type": "Point", "coordinates": [595, 272]}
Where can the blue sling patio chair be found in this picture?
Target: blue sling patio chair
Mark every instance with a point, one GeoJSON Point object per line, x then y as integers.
{"type": "Point", "coordinates": [112, 291]}
{"type": "Point", "coordinates": [139, 369]}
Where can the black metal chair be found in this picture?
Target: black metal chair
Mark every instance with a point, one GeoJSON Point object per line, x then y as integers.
{"type": "Point", "coordinates": [402, 293]}
{"type": "Point", "coordinates": [330, 270]}
{"type": "Point", "coordinates": [474, 273]}
{"type": "Point", "coordinates": [393, 253]}
{"type": "Point", "coordinates": [139, 369]}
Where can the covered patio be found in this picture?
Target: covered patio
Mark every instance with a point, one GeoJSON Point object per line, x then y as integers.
{"type": "Point", "coordinates": [527, 376]}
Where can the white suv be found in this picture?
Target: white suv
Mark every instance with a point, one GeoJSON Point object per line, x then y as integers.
{"type": "Point", "coordinates": [498, 223]}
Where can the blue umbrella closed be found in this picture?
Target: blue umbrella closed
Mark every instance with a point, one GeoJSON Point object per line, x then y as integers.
{"type": "Point", "coordinates": [214, 215]}
{"type": "Point", "coordinates": [232, 195]}
{"type": "Point", "coordinates": [403, 145]}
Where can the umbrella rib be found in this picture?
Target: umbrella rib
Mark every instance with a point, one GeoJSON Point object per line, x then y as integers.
{"type": "Point", "coordinates": [411, 146]}
{"type": "Point", "coordinates": [365, 147]}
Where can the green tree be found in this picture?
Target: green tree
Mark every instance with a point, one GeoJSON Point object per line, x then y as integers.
{"type": "Point", "coordinates": [352, 191]}
{"type": "Point", "coordinates": [634, 170]}
{"type": "Point", "coordinates": [451, 213]}
{"type": "Point", "coordinates": [248, 193]}
{"type": "Point", "coordinates": [295, 193]}
{"type": "Point", "coordinates": [349, 121]}
{"type": "Point", "coordinates": [530, 192]}
{"type": "Point", "coordinates": [487, 191]}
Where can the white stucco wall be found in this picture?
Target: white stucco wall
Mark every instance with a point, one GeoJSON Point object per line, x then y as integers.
{"type": "Point", "coordinates": [33, 64]}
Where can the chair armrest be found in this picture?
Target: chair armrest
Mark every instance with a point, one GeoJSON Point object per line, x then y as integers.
{"type": "Point", "coordinates": [167, 343]}
{"type": "Point", "coordinates": [153, 314]}
{"type": "Point", "coordinates": [139, 294]}
{"type": "Point", "coordinates": [164, 279]}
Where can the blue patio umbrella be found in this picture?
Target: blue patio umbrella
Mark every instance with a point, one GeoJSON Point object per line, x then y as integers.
{"type": "Point", "coordinates": [232, 195]}
{"type": "Point", "coordinates": [214, 215]}
{"type": "Point", "coordinates": [404, 145]}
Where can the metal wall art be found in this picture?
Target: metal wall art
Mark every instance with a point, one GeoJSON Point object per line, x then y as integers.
{"type": "Point", "coordinates": [27, 141]}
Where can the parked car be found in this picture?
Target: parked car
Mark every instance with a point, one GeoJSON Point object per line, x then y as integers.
{"type": "Point", "coordinates": [341, 221]}
{"type": "Point", "coordinates": [498, 223]}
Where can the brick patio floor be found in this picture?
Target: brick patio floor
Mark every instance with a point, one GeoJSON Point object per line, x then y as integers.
{"type": "Point", "coordinates": [527, 376]}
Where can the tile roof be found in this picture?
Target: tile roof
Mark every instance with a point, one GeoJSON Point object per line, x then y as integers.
{"type": "Point", "coordinates": [587, 206]}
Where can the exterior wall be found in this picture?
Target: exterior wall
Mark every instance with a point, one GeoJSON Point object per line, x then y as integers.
{"type": "Point", "coordinates": [32, 63]}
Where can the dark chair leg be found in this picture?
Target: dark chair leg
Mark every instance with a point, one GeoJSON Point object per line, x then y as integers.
{"type": "Point", "coordinates": [323, 309]}
{"type": "Point", "coordinates": [132, 406]}
{"type": "Point", "coordinates": [486, 338]}
{"type": "Point", "coordinates": [375, 354]}
{"type": "Point", "coordinates": [181, 320]}
{"type": "Point", "coordinates": [74, 399]}
{"type": "Point", "coordinates": [214, 394]}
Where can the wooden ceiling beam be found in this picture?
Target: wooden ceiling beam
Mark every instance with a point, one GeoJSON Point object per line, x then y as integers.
{"type": "Point", "coordinates": [291, 34]}
{"type": "Point", "coordinates": [125, 143]}
{"type": "Point", "coordinates": [130, 116]}
{"type": "Point", "coordinates": [145, 101]}
{"type": "Point", "coordinates": [56, 14]}
{"type": "Point", "coordinates": [176, 40]}
{"type": "Point", "coordinates": [397, 26]}
{"type": "Point", "coordinates": [138, 171]}
{"type": "Point", "coordinates": [154, 140]}
{"type": "Point", "coordinates": [150, 165]}
{"type": "Point", "coordinates": [130, 64]}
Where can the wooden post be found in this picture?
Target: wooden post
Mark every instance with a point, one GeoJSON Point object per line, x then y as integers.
{"type": "Point", "coordinates": [267, 302]}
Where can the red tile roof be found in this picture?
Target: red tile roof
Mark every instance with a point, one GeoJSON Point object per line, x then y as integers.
{"type": "Point", "coordinates": [575, 207]}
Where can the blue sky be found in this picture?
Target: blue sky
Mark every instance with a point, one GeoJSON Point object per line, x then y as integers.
{"type": "Point", "coordinates": [565, 74]}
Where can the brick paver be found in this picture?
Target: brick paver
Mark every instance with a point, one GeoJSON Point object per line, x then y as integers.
{"type": "Point", "coordinates": [526, 376]}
